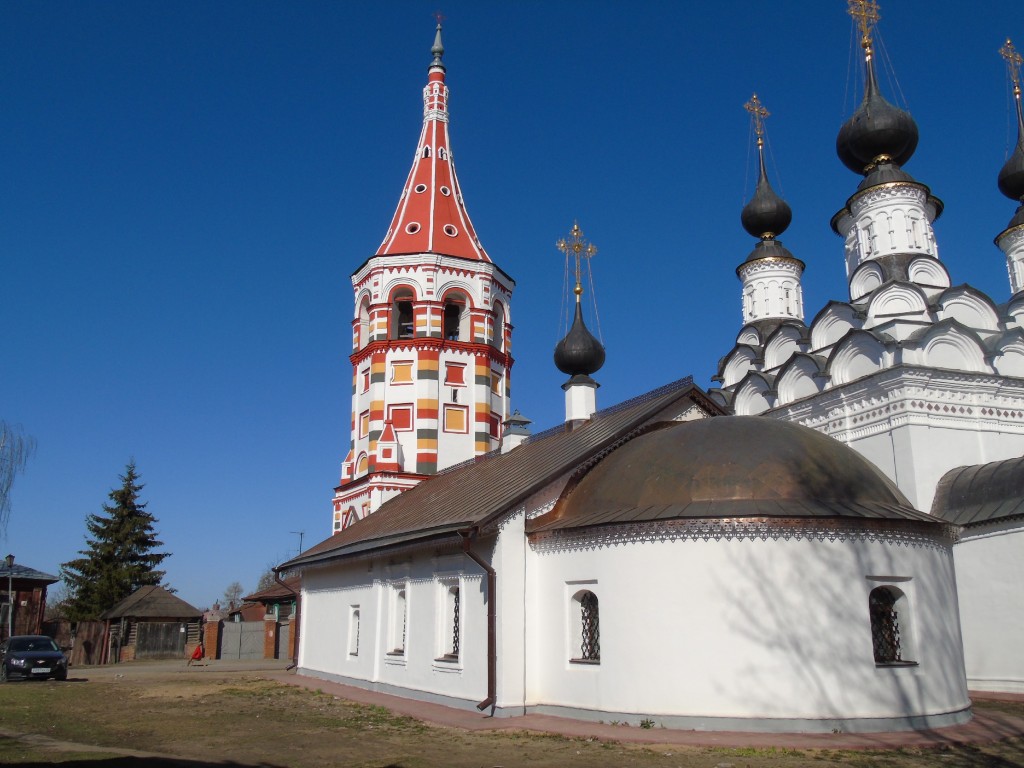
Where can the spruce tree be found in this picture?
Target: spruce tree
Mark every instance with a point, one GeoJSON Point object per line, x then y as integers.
{"type": "Point", "coordinates": [119, 556]}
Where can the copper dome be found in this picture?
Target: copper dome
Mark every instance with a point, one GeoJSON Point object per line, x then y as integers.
{"type": "Point", "coordinates": [730, 466]}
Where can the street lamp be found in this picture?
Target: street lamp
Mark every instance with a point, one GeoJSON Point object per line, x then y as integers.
{"type": "Point", "coordinates": [10, 594]}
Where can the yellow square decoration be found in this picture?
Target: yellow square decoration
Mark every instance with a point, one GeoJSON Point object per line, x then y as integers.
{"type": "Point", "coordinates": [455, 419]}
{"type": "Point", "coordinates": [401, 373]}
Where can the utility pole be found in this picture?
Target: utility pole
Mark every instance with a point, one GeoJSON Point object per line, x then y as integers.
{"type": "Point", "coordinates": [10, 594]}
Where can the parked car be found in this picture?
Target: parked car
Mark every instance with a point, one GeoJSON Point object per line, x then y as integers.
{"type": "Point", "coordinates": [32, 657]}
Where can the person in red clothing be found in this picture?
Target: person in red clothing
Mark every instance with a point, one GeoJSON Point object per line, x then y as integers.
{"type": "Point", "coordinates": [197, 654]}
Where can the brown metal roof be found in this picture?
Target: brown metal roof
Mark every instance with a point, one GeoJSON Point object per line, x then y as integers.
{"type": "Point", "coordinates": [731, 466]}
{"type": "Point", "coordinates": [277, 592]}
{"type": "Point", "coordinates": [152, 603]}
{"type": "Point", "coordinates": [467, 495]}
{"type": "Point", "coordinates": [981, 493]}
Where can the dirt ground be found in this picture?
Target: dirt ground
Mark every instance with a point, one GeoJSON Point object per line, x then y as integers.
{"type": "Point", "coordinates": [134, 715]}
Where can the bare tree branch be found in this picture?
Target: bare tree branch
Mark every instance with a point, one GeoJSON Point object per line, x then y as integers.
{"type": "Point", "coordinates": [15, 450]}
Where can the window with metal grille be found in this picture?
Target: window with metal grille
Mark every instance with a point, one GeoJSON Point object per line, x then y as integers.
{"type": "Point", "coordinates": [589, 628]}
{"type": "Point", "coordinates": [453, 605]}
{"type": "Point", "coordinates": [886, 633]}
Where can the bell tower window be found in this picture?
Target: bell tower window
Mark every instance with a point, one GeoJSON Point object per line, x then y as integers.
{"type": "Point", "coordinates": [456, 318]}
{"type": "Point", "coordinates": [364, 322]}
{"type": "Point", "coordinates": [451, 321]}
{"type": "Point", "coordinates": [402, 322]}
{"type": "Point", "coordinates": [498, 327]}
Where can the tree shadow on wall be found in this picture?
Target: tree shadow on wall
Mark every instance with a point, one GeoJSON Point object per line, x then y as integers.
{"type": "Point", "coordinates": [832, 637]}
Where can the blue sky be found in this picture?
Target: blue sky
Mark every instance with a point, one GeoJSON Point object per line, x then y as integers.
{"type": "Point", "coordinates": [186, 188]}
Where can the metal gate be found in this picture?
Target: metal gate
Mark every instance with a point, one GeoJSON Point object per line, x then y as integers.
{"type": "Point", "coordinates": [242, 640]}
{"type": "Point", "coordinates": [160, 640]}
{"type": "Point", "coordinates": [282, 641]}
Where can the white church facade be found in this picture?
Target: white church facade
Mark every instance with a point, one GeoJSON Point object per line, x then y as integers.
{"type": "Point", "coordinates": [851, 562]}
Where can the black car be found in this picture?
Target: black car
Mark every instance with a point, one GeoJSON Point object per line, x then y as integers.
{"type": "Point", "coordinates": [32, 657]}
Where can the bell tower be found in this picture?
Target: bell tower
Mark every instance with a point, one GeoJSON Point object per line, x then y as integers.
{"type": "Point", "coordinates": [431, 333]}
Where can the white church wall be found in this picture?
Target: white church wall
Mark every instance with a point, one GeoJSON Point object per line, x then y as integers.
{"type": "Point", "coordinates": [514, 612]}
{"type": "Point", "coordinates": [745, 634]}
{"type": "Point", "coordinates": [990, 572]}
{"type": "Point", "coordinates": [328, 599]}
{"type": "Point", "coordinates": [411, 662]}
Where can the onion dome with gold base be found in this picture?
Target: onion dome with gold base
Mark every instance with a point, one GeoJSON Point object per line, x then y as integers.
{"type": "Point", "coordinates": [888, 220]}
{"type": "Point", "coordinates": [1011, 181]}
{"type": "Point", "coordinates": [579, 353]}
{"type": "Point", "coordinates": [770, 274]}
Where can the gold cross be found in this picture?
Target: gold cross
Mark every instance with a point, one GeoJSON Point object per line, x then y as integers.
{"type": "Point", "coordinates": [1013, 62]}
{"type": "Point", "coordinates": [866, 14]}
{"type": "Point", "coordinates": [758, 113]}
{"type": "Point", "coordinates": [578, 248]}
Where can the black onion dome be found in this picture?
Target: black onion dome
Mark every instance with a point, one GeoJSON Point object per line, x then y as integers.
{"type": "Point", "coordinates": [1011, 177]}
{"type": "Point", "coordinates": [767, 214]}
{"type": "Point", "coordinates": [579, 352]}
{"type": "Point", "coordinates": [877, 128]}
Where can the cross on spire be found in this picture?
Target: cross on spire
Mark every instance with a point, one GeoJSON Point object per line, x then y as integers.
{"type": "Point", "coordinates": [1013, 63]}
{"type": "Point", "coordinates": [866, 14]}
{"type": "Point", "coordinates": [578, 248]}
{"type": "Point", "coordinates": [758, 113]}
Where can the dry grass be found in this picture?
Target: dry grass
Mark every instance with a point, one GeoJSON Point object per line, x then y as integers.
{"type": "Point", "coordinates": [243, 719]}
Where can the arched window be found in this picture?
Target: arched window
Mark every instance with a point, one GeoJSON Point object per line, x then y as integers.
{"type": "Point", "coordinates": [451, 629]}
{"type": "Point", "coordinates": [364, 322]}
{"type": "Point", "coordinates": [887, 607]}
{"type": "Point", "coordinates": [587, 627]}
{"type": "Point", "coordinates": [398, 624]}
{"type": "Point", "coordinates": [452, 314]}
{"type": "Point", "coordinates": [426, 152]}
{"type": "Point", "coordinates": [498, 327]}
{"type": "Point", "coordinates": [353, 632]}
{"type": "Point", "coordinates": [402, 322]}
{"type": "Point", "coordinates": [456, 318]}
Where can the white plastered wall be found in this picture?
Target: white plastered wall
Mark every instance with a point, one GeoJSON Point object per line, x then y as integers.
{"type": "Point", "coordinates": [329, 592]}
{"type": "Point", "coordinates": [720, 632]}
{"type": "Point", "coordinates": [990, 573]}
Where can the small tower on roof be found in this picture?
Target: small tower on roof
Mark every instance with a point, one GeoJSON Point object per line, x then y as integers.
{"type": "Point", "coordinates": [579, 354]}
{"type": "Point", "coordinates": [889, 218]}
{"type": "Point", "coordinates": [1011, 180]}
{"type": "Point", "coordinates": [431, 332]}
{"type": "Point", "coordinates": [770, 274]}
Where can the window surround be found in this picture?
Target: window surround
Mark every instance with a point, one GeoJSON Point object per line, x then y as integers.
{"type": "Point", "coordinates": [398, 621]}
{"type": "Point", "coordinates": [402, 321]}
{"type": "Point", "coordinates": [891, 624]}
{"type": "Point", "coordinates": [353, 631]}
{"type": "Point", "coordinates": [583, 609]}
{"type": "Point", "coordinates": [450, 615]}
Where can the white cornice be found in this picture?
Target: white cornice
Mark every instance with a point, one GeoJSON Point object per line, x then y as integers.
{"type": "Point", "coordinates": [910, 395]}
